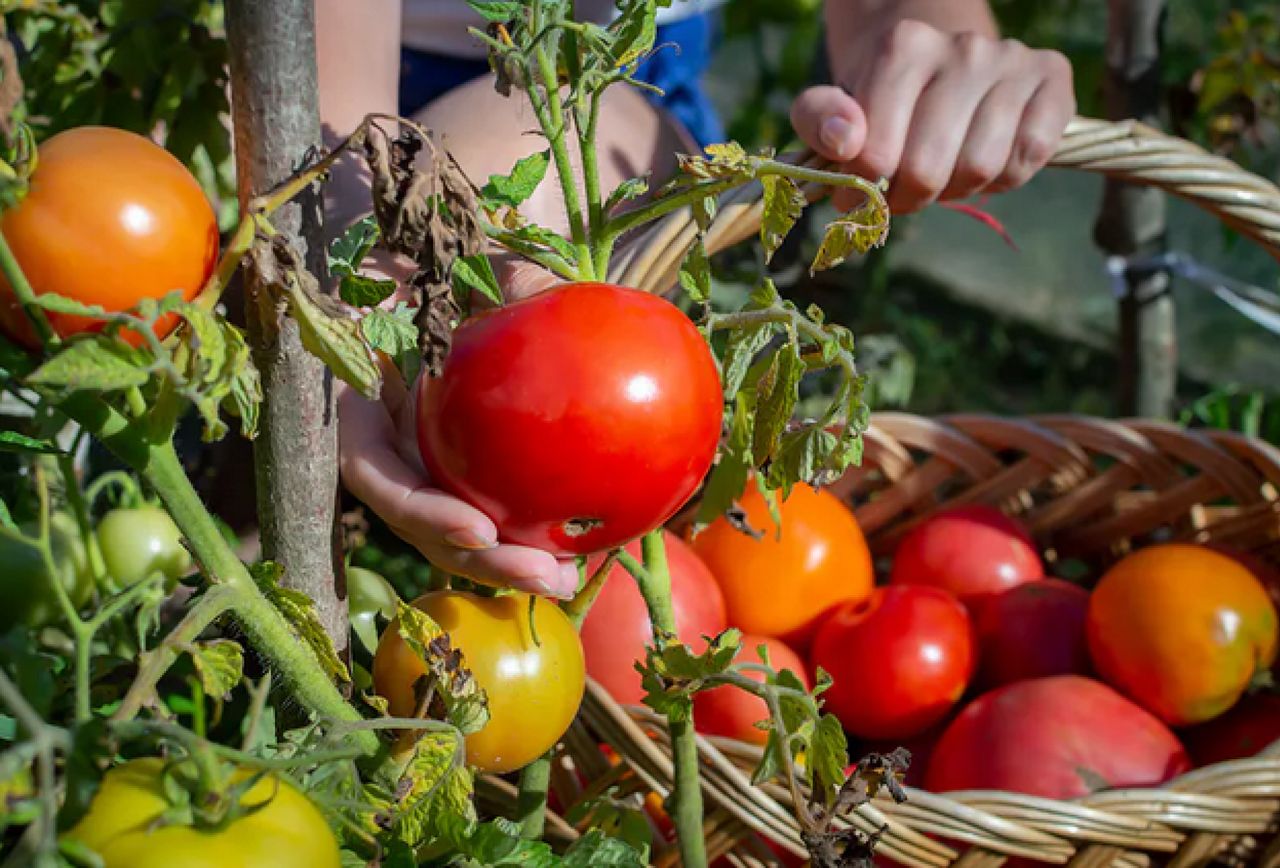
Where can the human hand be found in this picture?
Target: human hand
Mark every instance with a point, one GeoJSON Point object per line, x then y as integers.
{"type": "Point", "coordinates": [380, 464]}
{"type": "Point", "coordinates": [941, 115]}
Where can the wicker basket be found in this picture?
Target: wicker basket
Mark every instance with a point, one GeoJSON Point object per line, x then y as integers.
{"type": "Point", "coordinates": [1089, 490]}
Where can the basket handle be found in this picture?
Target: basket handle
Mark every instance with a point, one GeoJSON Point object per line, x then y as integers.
{"type": "Point", "coordinates": [1126, 151]}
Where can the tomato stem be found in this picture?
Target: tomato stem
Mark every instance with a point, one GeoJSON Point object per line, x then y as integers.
{"type": "Point", "coordinates": [80, 511]}
{"type": "Point", "coordinates": [531, 802]}
{"type": "Point", "coordinates": [26, 296]}
{"type": "Point", "coordinates": [580, 605]}
{"type": "Point", "coordinates": [685, 802]}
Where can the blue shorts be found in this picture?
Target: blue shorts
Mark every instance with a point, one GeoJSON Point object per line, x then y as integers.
{"type": "Point", "coordinates": [676, 68]}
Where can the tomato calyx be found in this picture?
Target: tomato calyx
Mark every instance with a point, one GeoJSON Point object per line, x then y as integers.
{"type": "Point", "coordinates": [208, 793]}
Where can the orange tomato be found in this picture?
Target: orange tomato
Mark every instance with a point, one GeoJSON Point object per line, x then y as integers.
{"type": "Point", "coordinates": [732, 712]}
{"type": "Point", "coordinates": [110, 218]}
{"type": "Point", "coordinates": [1182, 630]}
{"type": "Point", "coordinates": [779, 585]}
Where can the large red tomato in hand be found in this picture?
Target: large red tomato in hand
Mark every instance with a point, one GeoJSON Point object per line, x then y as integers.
{"type": "Point", "coordinates": [1032, 631]}
{"type": "Point", "coordinates": [1060, 737]}
{"type": "Point", "coordinates": [617, 628]}
{"type": "Point", "coordinates": [1181, 629]}
{"type": "Point", "coordinates": [111, 218]}
{"type": "Point", "coordinates": [732, 712]}
{"type": "Point", "coordinates": [898, 661]}
{"type": "Point", "coordinates": [973, 551]}
{"type": "Point", "coordinates": [1252, 724]}
{"type": "Point", "coordinates": [577, 419]}
{"type": "Point", "coordinates": [779, 585]}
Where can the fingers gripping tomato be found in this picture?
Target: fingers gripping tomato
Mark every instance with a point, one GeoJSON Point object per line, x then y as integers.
{"type": "Point", "coordinates": [137, 543]}
{"type": "Point", "coordinates": [577, 419]}
{"type": "Point", "coordinates": [533, 683]}
{"type": "Point", "coordinates": [122, 825]}
{"type": "Point", "coordinates": [1182, 630]}
{"type": "Point", "coordinates": [617, 629]}
{"type": "Point", "coordinates": [27, 595]}
{"type": "Point", "coordinates": [732, 712]}
{"type": "Point", "coordinates": [779, 585]}
{"type": "Point", "coordinates": [110, 219]}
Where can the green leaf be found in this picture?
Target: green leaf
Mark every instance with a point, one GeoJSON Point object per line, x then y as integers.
{"type": "Point", "coordinates": [801, 456]}
{"type": "Point", "coordinates": [513, 189]}
{"type": "Point", "coordinates": [61, 304]}
{"type": "Point", "coordinates": [827, 755]}
{"type": "Point", "coordinates": [633, 33]}
{"type": "Point", "coordinates": [544, 237]}
{"type": "Point", "coordinates": [395, 333]}
{"type": "Point", "coordinates": [244, 393]}
{"type": "Point", "coordinates": [741, 349]}
{"type": "Point", "coordinates": [359, 290]}
{"type": "Point", "coordinates": [12, 441]}
{"type": "Point", "coordinates": [348, 250]}
{"type": "Point", "coordinates": [98, 363]}
{"type": "Point", "coordinates": [498, 11]}
{"type": "Point", "coordinates": [596, 850]}
{"type": "Point", "coordinates": [475, 274]}
{"type": "Point", "coordinates": [776, 402]}
{"type": "Point", "coordinates": [220, 665]}
{"type": "Point", "coordinates": [299, 610]}
{"type": "Point", "coordinates": [695, 273]}
{"type": "Point", "coordinates": [632, 188]}
{"type": "Point", "coordinates": [672, 672]}
{"type": "Point", "coordinates": [729, 478]}
{"type": "Point", "coordinates": [855, 232]}
{"type": "Point", "coordinates": [465, 703]}
{"type": "Point", "coordinates": [783, 205]}
{"type": "Point", "coordinates": [435, 781]}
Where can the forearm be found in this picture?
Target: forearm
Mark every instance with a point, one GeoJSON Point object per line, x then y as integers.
{"type": "Point", "coordinates": [852, 22]}
{"type": "Point", "coordinates": [358, 59]}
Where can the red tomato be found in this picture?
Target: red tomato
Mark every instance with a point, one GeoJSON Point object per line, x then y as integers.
{"type": "Point", "coordinates": [617, 630]}
{"type": "Point", "coordinates": [1242, 732]}
{"type": "Point", "coordinates": [577, 419]}
{"type": "Point", "coordinates": [1060, 737]}
{"type": "Point", "coordinates": [781, 584]}
{"type": "Point", "coordinates": [898, 661]}
{"type": "Point", "coordinates": [973, 551]}
{"type": "Point", "coordinates": [1032, 631]}
{"type": "Point", "coordinates": [111, 218]}
{"type": "Point", "coordinates": [732, 712]}
{"type": "Point", "coordinates": [1181, 629]}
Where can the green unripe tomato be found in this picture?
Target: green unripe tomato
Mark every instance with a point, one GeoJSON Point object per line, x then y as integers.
{"type": "Point", "coordinates": [368, 596]}
{"type": "Point", "coordinates": [27, 595]}
{"type": "Point", "coordinates": [140, 542]}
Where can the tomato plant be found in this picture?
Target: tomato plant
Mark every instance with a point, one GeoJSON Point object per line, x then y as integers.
{"type": "Point", "coordinates": [781, 583]}
{"type": "Point", "coordinates": [110, 219]}
{"type": "Point", "coordinates": [617, 629]}
{"type": "Point", "coordinates": [1181, 629]}
{"type": "Point", "coordinates": [1250, 725]}
{"type": "Point", "coordinates": [279, 826]}
{"type": "Point", "coordinates": [1031, 631]}
{"type": "Point", "coordinates": [973, 551]}
{"type": "Point", "coordinates": [369, 597]}
{"type": "Point", "coordinates": [582, 443]}
{"type": "Point", "coordinates": [27, 595]}
{"type": "Point", "coordinates": [730, 711]}
{"type": "Point", "coordinates": [1061, 737]}
{"type": "Point", "coordinates": [533, 676]}
{"type": "Point", "coordinates": [140, 542]}
{"type": "Point", "coordinates": [898, 661]}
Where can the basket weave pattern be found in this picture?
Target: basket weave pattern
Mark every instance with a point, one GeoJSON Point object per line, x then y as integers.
{"type": "Point", "coordinates": [1089, 490]}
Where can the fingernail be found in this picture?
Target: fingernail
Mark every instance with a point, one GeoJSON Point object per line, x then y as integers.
{"type": "Point", "coordinates": [469, 539]}
{"type": "Point", "coordinates": [835, 133]}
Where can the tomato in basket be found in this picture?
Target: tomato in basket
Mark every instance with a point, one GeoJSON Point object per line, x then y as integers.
{"type": "Point", "coordinates": [973, 551]}
{"type": "Point", "coordinates": [1032, 631]}
{"type": "Point", "coordinates": [1250, 725]}
{"type": "Point", "coordinates": [732, 712]}
{"type": "Point", "coordinates": [1182, 630]}
{"type": "Point", "coordinates": [1060, 738]}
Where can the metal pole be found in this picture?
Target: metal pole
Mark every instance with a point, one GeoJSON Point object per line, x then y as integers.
{"type": "Point", "coordinates": [1132, 220]}
{"type": "Point", "coordinates": [277, 120]}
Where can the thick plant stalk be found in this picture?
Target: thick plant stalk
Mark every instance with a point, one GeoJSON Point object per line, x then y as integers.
{"type": "Point", "coordinates": [685, 802]}
{"type": "Point", "coordinates": [277, 121]}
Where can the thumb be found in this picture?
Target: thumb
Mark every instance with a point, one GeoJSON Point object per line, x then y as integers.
{"type": "Point", "coordinates": [830, 121]}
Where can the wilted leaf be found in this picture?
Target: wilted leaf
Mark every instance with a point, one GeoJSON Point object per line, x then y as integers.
{"type": "Point", "coordinates": [435, 781]}
{"type": "Point", "coordinates": [463, 700]}
{"type": "Point", "coordinates": [299, 611]}
{"type": "Point", "coordinates": [98, 363]}
{"type": "Point", "coordinates": [783, 205]}
{"type": "Point", "coordinates": [220, 665]}
{"type": "Point", "coordinates": [855, 232]}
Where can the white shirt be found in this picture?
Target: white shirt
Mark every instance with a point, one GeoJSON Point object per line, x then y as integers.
{"type": "Point", "coordinates": [440, 26]}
